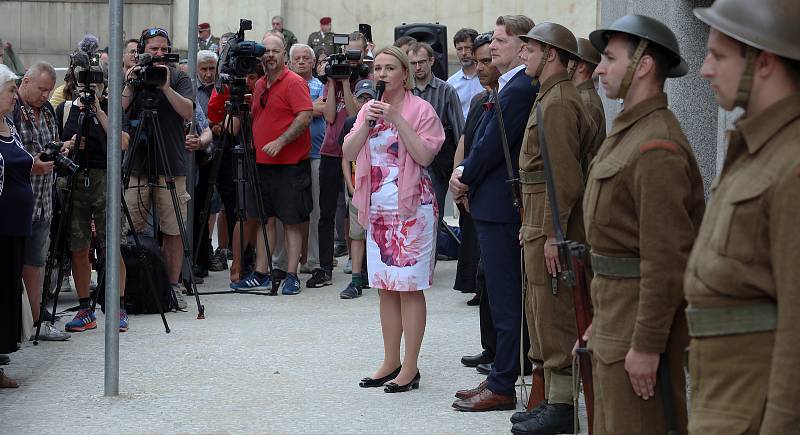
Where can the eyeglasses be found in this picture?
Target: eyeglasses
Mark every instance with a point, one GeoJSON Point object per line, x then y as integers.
{"type": "Point", "coordinates": [364, 98]}
{"type": "Point", "coordinates": [420, 62]}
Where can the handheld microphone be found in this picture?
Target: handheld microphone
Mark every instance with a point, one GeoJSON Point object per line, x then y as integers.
{"type": "Point", "coordinates": [379, 88]}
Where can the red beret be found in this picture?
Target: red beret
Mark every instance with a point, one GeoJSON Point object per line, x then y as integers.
{"type": "Point", "coordinates": [325, 21]}
{"type": "Point", "coordinates": [203, 26]}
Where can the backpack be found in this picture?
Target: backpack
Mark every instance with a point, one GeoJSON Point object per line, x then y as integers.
{"type": "Point", "coordinates": [146, 277]}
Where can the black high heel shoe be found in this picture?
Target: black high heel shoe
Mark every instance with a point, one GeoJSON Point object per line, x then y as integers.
{"type": "Point", "coordinates": [369, 382]}
{"type": "Point", "coordinates": [391, 387]}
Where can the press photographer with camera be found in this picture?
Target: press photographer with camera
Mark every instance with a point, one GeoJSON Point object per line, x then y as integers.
{"type": "Point", "coordinates": [343, 70]}
{"type": "Point", "coordinates": [152, 77]}
{"type": "Point", "coordinates": [35, 121]}
{"type": "Point", "coordinates": [282, 111]}
{"type": "Point", "coordinates": [84, 122]}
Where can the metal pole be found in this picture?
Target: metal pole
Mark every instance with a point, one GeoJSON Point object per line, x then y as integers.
{"type": "Point", "coordinates": [190, 166]}
{"type": "Point", "coordinates": [113, 199]}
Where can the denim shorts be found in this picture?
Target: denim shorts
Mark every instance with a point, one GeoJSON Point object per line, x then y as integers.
{"type": "Point", "coordinates": [37, 244]}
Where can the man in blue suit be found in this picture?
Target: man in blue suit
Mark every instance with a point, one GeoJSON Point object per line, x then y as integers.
{"type": "Point", "coordinates": [480, 183]}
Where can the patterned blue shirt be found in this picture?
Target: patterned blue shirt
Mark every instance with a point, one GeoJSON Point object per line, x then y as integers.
{"type": "Point", "coordinates": [317, 127]}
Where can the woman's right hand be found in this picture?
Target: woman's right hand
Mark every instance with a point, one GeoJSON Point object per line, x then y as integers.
{"type": "Point", "coordinates": [373, 114]}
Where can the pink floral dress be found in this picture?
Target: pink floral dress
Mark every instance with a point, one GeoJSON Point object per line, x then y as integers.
{"type": "Point", "coordinates": [400, 250]}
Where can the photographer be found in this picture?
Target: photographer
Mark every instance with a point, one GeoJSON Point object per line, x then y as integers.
{"type": "Point", "coordinates": [175, 105]}
{"type": "Point", "coordinates": [339, 105]}
{"type": "Point", "coordinates": [88, 189]}
{"type": "Point", "coordinates": [35, 120]}
{"type": "Point", "coordinates": [281, 107]}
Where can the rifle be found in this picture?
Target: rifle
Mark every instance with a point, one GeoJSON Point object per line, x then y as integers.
{"type": "Point", "coordinates": [572, 258]}
{"type": "Point", "coordinates": [537, 380]}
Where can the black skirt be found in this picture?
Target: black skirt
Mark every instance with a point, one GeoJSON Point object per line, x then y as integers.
{"type": "Point", "coordinates": [11, 255]}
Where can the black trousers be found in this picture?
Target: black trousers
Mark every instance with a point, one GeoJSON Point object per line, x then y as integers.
{"type": "Point", "coordinates": [11, 291]}
{"type": "Point", "coordinates": [199, 199]}
{"type": "Point", "coordinates": [330, 185]}
{"type": "Point", "coordinates": [468, 254]}
{"type": "Point", "coordinates": [227, 189]}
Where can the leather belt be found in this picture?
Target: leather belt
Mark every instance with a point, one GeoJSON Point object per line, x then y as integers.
{"type": "Point", "coordinates": [713, 322]}
{"type": "Point", "coordinates": [621, 267]}
{"type": "Point", "coordinates": [534, 177]}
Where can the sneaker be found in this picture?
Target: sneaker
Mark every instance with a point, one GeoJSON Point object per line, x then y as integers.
{"type": "Point", "coordinates": [351, 292]}
{"type": "Point", "coordinates": [66, 285]}
{"type": "Point", "coordinates": [218, 262]}
{"type": "Point", "coordinates": [348, 268]}
{"type": "Point", "coordinates": [123, 320]}
{"type": "Point", "coordinates": [85, 319]}
{"type": "Point", "coordinates": [291, 285]}
{"type": "Point", "coordinates": [50, 333]}
{"type": "Point", "coordinates": [252, 282]}
{"type": "Point", "coordinates": [319, 278]}
{"type": "Point", "coordinates": [179, 299]}
{"type": "Point", "coordinates": [340, 251]}
{"type": "Point", "coordinates": [227, 253]}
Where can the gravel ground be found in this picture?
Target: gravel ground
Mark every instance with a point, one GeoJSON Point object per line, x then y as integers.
{"type": "Point", "coordinates": [256, 364]}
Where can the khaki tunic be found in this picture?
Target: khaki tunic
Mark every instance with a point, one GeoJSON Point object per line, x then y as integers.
{"type": "Point", "coordinates": [596, 112]}
{"type": "Point", "coordinates": [318, 39]}
{"type": "Point", "coordinates": [644, 199]}
{"type": "Point", "coordinates": [747, 253]}
{"type": "Point", "coordinates": [551, 318]}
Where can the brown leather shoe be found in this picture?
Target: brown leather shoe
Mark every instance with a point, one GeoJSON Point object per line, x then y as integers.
{"type": "Point", "coordinates": [486, 400]}
{"type": "Point", "coordinates": [466, 394]}
{"type": "Point", "coordinates": [6, 382]}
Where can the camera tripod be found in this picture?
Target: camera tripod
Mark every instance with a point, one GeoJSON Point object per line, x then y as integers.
{"type": "Point", "coordinates": [149, 128]}
{"type": "Point", "coordinates": [59, 254]}
{"type": "Point", "coordinates": [244, 166]}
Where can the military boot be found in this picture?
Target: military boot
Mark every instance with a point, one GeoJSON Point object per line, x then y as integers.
{"type": "Point", "coordinates": [555, 418]}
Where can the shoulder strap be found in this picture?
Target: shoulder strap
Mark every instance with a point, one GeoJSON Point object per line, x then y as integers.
{"type": "Point", "coordinates": [67, 107]}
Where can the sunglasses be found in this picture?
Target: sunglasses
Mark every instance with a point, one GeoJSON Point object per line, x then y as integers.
{"type": "Point", "coordinates": [153, 32]}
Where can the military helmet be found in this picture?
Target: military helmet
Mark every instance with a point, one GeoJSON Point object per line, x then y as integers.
{"type": "Point", "coordinates": [587, 52]}
{"type": "Point", "coordinates": [554, 35]}
{"type": "Point", "coordinates": [769, 25]}
{"type": "Point", "coordinates": [646, 28]}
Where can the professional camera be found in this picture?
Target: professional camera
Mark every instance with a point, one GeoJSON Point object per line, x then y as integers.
{"type": "Point", "coordinates": [152, 76]}
{"type": "Point", "coordinates": [87, 72]}
{"type": "Point", "coordinates": [52, 153]}
{"type": "Point", "coordinates": [239, 57]}
{"type": "Point", "coordinates": [346, 63]}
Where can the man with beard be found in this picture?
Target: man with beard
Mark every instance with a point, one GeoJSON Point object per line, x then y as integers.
{"type": "Point", "coordinates": [466, 80]}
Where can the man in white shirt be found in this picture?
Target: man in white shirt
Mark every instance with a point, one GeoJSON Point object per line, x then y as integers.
{"type": "Point", "coordinates": [465, 80]}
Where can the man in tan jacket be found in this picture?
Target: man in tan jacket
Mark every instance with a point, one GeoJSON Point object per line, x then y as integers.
{"type": "Point", "coordinates": [643, 206]}
{"type": "Point", "coordinates": [585, 64]}
{"type": "Point", "coordinates": [549, 306]}
{"type": "Point", "coordinates": [742, 277]}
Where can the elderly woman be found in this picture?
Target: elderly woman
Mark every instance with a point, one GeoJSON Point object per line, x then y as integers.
{"type": "Point", "coordinates": [16, 203]}
{"type": "Point", "coordinates": [393, 140]}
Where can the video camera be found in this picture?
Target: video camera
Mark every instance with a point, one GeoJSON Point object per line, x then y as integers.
{"type": "Point", "coordinates": [339, 64]}
{"type": "Point", "coordinates": [152, 76]}
{"type": "Point", "coordinates": [52, 153]}
{"type": "Point", "coordinates": [239, 58]}
{"type": "Point", "coordinates": [87, 71]}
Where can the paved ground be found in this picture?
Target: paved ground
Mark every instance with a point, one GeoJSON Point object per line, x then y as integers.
{"type": "Point", "coordinates": [256, 364]}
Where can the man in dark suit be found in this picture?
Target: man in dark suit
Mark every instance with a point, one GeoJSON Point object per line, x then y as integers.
{"type": "Point", "coordinates": [480, 184]}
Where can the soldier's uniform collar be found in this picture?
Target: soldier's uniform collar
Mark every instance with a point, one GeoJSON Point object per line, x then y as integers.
{"type": "Point", "coordinates": [588, 84]}
{"type": "Point", "coordinates": [631, 115]}
{"type": "Point", "coordinates": [759, 129]}
{"type": "Point", "coordinates": [551, 82]}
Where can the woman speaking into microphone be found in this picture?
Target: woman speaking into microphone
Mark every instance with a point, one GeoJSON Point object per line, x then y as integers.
{"type": "Point", "coordinates": [393, 140]}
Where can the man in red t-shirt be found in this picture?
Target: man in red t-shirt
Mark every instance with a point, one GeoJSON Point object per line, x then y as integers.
{"type": "Point", "coordinates": [281, 109]}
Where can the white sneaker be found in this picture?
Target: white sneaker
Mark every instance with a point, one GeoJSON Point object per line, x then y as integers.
{"type": "Point", "coordinates": [182, 304]}
{"type": "Point", "coordinates": [66, 285]}
{"type": "Point", "coordinates": [50, 333]}
{"type": "Point", "coordinates": [348, 268]}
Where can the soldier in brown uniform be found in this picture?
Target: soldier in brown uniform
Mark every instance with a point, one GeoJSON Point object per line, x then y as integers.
{"type": "Point", "coordinates": [742, 277]}
{"type": "Point", "coordinates": [548, 301]}
{"type": "Point", "coordinates": [587, 61]}
{"type": "Point", "coordinates": [643, 206]}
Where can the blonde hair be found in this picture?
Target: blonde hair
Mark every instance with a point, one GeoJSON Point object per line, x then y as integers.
{"type": "Point", "coordinates": [398, 54]}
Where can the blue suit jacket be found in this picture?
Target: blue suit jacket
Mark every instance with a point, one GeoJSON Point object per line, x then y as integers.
{"type": "Point", "coordinates": [485, 168]}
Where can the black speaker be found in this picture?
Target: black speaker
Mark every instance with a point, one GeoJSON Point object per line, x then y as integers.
{"type": "Point", "coordinates": [433, 34]}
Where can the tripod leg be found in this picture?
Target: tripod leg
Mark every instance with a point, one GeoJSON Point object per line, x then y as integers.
{"type": "Point", "coordinates": [170, 182]}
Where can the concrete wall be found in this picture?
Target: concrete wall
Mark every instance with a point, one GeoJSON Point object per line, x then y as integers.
{"type": "Point", "coordinates": [690, 97]}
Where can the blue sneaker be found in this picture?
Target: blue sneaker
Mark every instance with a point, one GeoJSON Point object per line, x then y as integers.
{"type": "Point", "coordinates": [123, 320]}
{"type": "Point", "coordinates": [252, 282]}
{"type": "Point", "coordinates": [85, 319]}
{"type": "Point", "coordinates": [291, 285]}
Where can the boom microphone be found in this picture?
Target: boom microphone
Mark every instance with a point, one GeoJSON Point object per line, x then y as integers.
{"type": "Point", "coordinates": [379, 88]}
